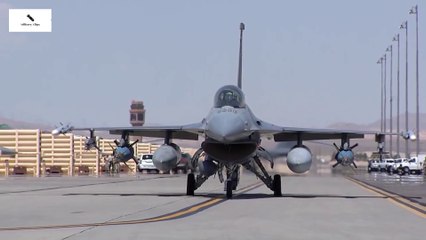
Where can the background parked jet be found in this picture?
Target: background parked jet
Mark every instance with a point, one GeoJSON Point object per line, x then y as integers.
{"type": "Point", "coordinates": [7, 151]}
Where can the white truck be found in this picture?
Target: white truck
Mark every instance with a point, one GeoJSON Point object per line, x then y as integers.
{"type": "Point", "coordinates": [373, 165]}
{"type": "Point", "coordinates": [384, 164]}
{"type": "Point", "coordinates": [413, 165]}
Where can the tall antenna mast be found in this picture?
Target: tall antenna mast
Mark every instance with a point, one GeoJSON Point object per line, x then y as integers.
{"type": "Point", "coordinates": [240, 63]}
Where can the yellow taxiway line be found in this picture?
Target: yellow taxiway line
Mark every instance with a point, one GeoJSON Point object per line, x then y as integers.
{"type": "Point", "coordinates": [169, 216]}
{"type": "Point", "coordinates": [398, 200]}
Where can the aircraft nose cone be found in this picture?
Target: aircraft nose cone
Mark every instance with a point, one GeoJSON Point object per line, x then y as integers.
{"type": "Point", "coordinates": [226, 127]}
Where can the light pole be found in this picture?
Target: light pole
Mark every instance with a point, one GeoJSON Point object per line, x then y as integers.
{"type": "Point", "coordinates": [385, 98]}
{"type": "Point", "coordinates": [380, 61]}
{"type": "Point", "coordinates": [404, 25]}
{"type": "Point", "coordinates": [414, 10]}
{"type": "Point", "coordinates": [389, 49]}
{"type": "Point", "coordinates": [396, 38]}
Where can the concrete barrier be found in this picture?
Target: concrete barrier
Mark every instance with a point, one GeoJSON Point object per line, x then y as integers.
{"type": "Point", "coordinates": [83, 170]}
{"type": "Point", "coordinates": [54, 170]}
{"type": "Point", "coordinates": [19, 170]}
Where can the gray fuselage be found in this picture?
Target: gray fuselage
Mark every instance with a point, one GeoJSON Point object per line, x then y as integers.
{"type": "Point", "coordinates": [230, 128]}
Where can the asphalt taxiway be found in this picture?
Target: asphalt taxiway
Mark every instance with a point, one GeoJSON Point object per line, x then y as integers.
{"type": "Point", "coordinates": [156, 207]}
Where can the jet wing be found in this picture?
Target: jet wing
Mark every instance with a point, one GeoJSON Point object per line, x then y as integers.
{"type": "Point", "coordinates": [186, 132]}
{"type": "Point", "coordinates": [292, 134]}
{"type": "Point", "coordinates": [284, 134]}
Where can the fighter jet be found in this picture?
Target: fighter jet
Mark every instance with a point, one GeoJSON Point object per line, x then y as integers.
{"type": "Point", "coordinates": [7, 151]}
{"type": "Point", "coordinates": [232, 139]}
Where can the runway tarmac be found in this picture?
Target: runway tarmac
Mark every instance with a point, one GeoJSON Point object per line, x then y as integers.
{"type": "Point", "coordinates": [156, 207]}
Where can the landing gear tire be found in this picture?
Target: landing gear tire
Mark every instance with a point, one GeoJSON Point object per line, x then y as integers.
{"type": "Point", "coordinates": [190, 185]}
{"type": "Point", "coordinates": [406, 170]}
{"type": "Point", "coordinates": [229, 186]}
{"type": "Point", "coordinates": [276, 184]}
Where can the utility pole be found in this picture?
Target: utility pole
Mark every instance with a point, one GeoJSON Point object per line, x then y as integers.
{"type": "Point", "coordinates": [396, 38]}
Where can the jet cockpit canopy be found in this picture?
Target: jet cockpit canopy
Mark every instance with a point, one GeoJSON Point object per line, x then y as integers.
{"type": "Point", "coordinates": [229, 96]}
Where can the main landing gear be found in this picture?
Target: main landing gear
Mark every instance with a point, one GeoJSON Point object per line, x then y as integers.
{"type": "Point", "coordinates": [272, 183]}
{"type": "Point", "coordinates": [190, 184]}
{"type": "Point", "coordinates": [232, 176]}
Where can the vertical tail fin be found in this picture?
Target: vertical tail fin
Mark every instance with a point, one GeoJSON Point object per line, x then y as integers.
{"type": "Point", "coordinates": [240, 63]}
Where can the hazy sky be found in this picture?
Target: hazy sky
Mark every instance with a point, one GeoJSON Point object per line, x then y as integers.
{"type": "Point", "coordinates": [306, 63]}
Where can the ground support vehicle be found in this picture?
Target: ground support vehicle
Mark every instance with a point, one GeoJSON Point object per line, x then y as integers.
{"type": "Point", "coordinates": [373, 165]}
{"type": "Point", "coordinates": [385, 163]}
{"type": "Point", "coordinates": [413, 165]}
{"type": "Point", "coordinates": [145, 164]}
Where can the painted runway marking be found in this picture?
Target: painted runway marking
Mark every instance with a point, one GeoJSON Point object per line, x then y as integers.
{"type": "Point", "coordinates": [83, 185]}
{"type": "Point", "coordinates": [399, 200]}
{"type": "Point", "coordinates": [185, 212]}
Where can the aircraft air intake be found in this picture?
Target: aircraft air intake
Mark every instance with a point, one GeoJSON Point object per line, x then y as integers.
{"type": "Point", "coordinates": [229, 152]}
